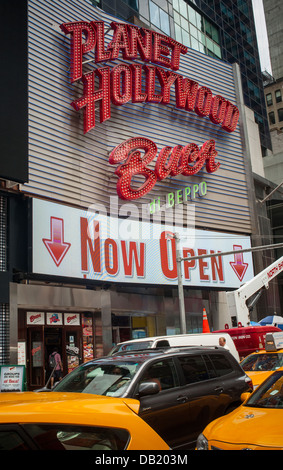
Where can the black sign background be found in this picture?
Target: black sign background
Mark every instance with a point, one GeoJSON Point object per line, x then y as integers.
{"type": "Point", "coordinates": [14, 91]}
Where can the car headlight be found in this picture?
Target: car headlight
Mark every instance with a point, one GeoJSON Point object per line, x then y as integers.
{"type": "Point", "coordinates": [202, 443]}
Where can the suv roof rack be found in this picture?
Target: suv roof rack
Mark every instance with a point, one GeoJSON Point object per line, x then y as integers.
{"type": "Point", "coordinates": [166, 349]}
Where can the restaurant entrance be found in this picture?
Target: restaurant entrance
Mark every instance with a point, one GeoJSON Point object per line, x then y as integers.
{"type": "Point", "coordinates": [41, 343]}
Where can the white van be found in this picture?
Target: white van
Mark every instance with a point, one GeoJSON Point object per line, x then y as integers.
{"type": "Point", "coordinates": [198, 339]}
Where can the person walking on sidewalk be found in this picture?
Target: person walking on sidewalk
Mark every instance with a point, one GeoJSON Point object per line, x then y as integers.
{"type": "Point", "coordinates": [55, 358]}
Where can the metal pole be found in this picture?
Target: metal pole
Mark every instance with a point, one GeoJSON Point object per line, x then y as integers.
{"type": "Point", "coordinates": [180, 285]}
{"type": "Point", "coordinates": [179, 260]}
{"type": "Point", "coordinates": [272, 192]}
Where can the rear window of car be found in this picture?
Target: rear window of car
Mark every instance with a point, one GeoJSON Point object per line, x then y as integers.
{"type": "Point", "coordinates": [138, 346]}
{"type": "Point", "coordinates": [70, 437]}
{"type": "Point", "coordinates": [221, 364]}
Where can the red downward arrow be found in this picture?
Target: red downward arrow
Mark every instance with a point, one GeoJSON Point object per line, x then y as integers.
{"type": "Point", "coordinates": [238, 264]}
{"type": "Point", "coordinates": [56, 245]}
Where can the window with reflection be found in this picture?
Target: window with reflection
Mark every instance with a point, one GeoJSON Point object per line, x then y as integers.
{"type": "Point", "coordinates": [195, 31]}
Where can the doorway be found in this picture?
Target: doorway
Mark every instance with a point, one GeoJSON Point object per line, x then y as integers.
{"type": "Point", "coordinates": [52, 340]}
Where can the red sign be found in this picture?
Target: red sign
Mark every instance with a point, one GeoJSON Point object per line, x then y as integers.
{"type": "Point", "coordinates": [170, 162]}
{"type": "Point", "coordinates": [124, 82]}
{"type": "Point", "coordinates": [56, 245]}
{"type": "Point", "coordinates": [238, 264]}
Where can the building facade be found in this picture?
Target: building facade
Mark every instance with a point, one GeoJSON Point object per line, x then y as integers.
{"type": "Point", "coordinates": [222, 29]}
{"type": "Point", "coordinates": [273, 87]}
{"type": "Point", "coordinates": [273, 14]}
{"type": "Point", "coordinates": [131, 149]}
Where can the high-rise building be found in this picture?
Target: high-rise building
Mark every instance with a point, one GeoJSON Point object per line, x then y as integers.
{"type": "Point", "coordinates": [223, 29]}
{"type": "Point", "coordinates": [274, 16]}
{"type": "Point", "coordinates": [273, 87]}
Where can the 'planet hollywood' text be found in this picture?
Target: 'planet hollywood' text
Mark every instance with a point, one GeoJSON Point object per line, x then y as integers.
{"type": "Point", "coordinates": [135, 82]}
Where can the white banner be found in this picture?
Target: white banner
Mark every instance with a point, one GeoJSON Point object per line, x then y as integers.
{"type": "Point", "coordinates": [74, 243]}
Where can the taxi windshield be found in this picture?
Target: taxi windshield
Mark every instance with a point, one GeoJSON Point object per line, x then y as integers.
{"type": "Point", "coordinates": [269, 394]}
{"type": "Point", "coordinates": [100, 378]}
{"type": "Point", "coordinates": [262, 362]}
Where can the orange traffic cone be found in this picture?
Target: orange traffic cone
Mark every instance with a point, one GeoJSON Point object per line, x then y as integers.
{"type": "Point", "coordinates": [205, 324]}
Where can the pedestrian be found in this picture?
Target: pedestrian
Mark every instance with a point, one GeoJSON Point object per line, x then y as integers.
{"type": "Point", "coordinates": [55, 359]}
{"type": "Point", "coordinates": [222, 342]}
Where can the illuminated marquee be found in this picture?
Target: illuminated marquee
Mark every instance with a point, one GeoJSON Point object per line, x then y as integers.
{"type": "Point", "coordinates": [170, 162]}
{"type": "Point", "coordinates": [123, 83]}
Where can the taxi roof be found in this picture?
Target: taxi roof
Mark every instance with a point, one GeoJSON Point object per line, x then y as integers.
{"type": "Point", "coordinates": [75, 408]}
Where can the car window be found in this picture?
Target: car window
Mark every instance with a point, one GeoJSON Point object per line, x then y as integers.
{"type": "Point", "coordinates": [11, 440]}
{"type": "Point", "coordinates": [69, 437]}
{"type": "Point", "coordinates": [163, 373]}
{"type": "Point", "coordinates": [221, 364]}
{"type": "Point", "coordinates": [262, 362]}
{"type": "Point", "coordinates": [209, 366]}
{"type": "Point", "coordinates": [139, 345]}
{"type": "Point", "coordinates": [269, 394]}
{"type": "Point", "coordinates": [111, 379]}
{"type": "Point", "coordinates": [194, 368]}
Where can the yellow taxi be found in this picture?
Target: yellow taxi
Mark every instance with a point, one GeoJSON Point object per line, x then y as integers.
{"type": "Point", "coordinates": [73, 421]}
{"type": "Point", "coordinates": [255, 425]}
{"type": "Point", "coordinates": [261, 364]}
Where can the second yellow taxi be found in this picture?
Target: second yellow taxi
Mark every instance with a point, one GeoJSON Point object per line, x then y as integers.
{"type": "Point", "coordinates": [255, 425]}
{"type": "Point", "coordinates": [261, 364]}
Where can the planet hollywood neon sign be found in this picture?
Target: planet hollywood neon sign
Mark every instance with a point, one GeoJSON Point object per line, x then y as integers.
{"type": "Point", "coordinates": [123, 83]}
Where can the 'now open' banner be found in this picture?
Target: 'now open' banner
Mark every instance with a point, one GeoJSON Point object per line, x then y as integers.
{"type": "Point", "coordinates": [69, 242]}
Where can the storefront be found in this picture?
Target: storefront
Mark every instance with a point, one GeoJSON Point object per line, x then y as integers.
{"type": "Point", "coordinates": [133, 138]}
{"type": "Point", "coordinates": [102, 318]}
{"type": "Point", "coordinates": [70, 333]}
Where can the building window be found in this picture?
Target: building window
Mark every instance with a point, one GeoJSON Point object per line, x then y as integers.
{"type": "Point", "coordinates": [278, 96]}
{"type": "Point", "coordinates": [260, 122]}
{"type": "Point", "coordinates": [243, 6]}
{"type": "Point", "coordinates": [269, 99]}
{"type": "Point", "coordinates": [159, 18]}
{"type": "Point", "coordinates": [195, 31]}
{"type": "Point", "coordinates": [280, 114]}
{"type": "Point", "coordinates": [254, 90]}
{"type": "Point", "coordinates": [271, 117]}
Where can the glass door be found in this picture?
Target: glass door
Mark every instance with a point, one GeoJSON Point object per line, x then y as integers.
{"type": "Point", "coordinates": [36, 369]}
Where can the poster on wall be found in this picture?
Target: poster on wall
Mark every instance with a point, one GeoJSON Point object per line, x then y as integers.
{"type": "Point", "coordinates": [54, 318]}
{"type": "Point", "coordinates": [88, 341]}
{"type": "Point", "coordinates": [35, 318]}
{"type": "Point", "coordinates": [72, 319]}
{"type": "Point", "coordinates": [22, 353]}
{"type": "Point", "coordinates": [37, 354]}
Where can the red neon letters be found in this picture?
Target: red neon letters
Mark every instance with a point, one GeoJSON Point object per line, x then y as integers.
{"type": "Point", "coordinates": [170, 162]}
{"type": "Point", "coordinates": [123, 83]}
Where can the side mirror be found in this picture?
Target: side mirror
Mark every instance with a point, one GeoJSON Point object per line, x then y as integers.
{"type": "Point", "coordinates": [148, 388]}
{"type": "Point", "coordinates": [245, 396]}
